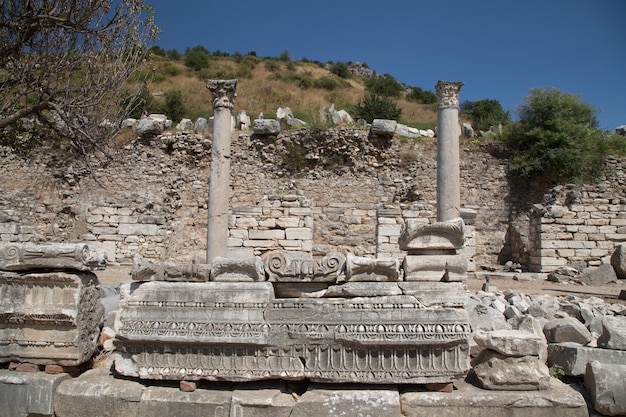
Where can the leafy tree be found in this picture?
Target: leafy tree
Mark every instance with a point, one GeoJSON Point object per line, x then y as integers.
{"type": "Point", "coordinates": [174, 107]}
{"type": "Point", "coordinates": [485, 113]}
{"type": "Point", "coordinates": [157, 50]}
{"type": "Point", "coordinates": [65, 67]}
{"type": "Point", "coordinates": [418, 95]}
{"type": "Point", "coordinates": [173, 54]}
{"type": "Point", "coordinates": [377, 107]}
{"type": "Point", "coordinates": [385, 86]}
{"type": "Point", "coordinates": [556, 139]}
{"type": "Point", "coordinates": [196, 58]}
{"type": "Point", "coordinates": [340, 69]}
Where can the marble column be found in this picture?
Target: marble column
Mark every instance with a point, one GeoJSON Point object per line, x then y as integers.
{"type": "Point", "coordinates": [448, 132]}
{"type": "Point", "coordinates": [224, 93]}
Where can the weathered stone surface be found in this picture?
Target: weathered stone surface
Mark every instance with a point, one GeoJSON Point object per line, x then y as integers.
{"type": "Point", "coordinates": [416, 235]}
{"type": "Point", "coordinates": [600, 275]}
{"type": "Point", "coordinates": [567, 329]}
{"type": "Point", "coordinates": [495, 371]}
{"type": "Point", "coordinates": [262, 400]}
{"type": "Point", "coordinates": [363, 289]}
{"type": "Point", "coordinates": [50, 317]}
{"type": "Point", "coordinates": [435, 268]}
{"type": "Point", "coordinates": [153, 124]}
{"type": "Point", "coordinates": [558, 401]}
{"type": "Point", "coordinates": [511, 342]}
{"type": "Point", "coordinates": [613, 334]}
{"type": "Point", "coordinates": [164, 401]}
{"type": "Point", "coordinates": [618, 261]}
{"type": "Point", "coordinates": [485, 317]}
{"type": "Point", "coordinates": [96, 393]}
{"type": "Point", "coordinates": [24, 394]}
{"type": "Point", "coordinates": [606, 385]}
{"type": "Point", "coordinates": [383, 127]}
{"type": "Point", "coordinates": [430, 294]}
{"type": "Point", "coordinates": [266, 126]}
{"type": "Point", "coordinates": [574, 358]}
{"type": "Point", "coordinates": [359, 268]}
{"type": "Point", "coordinates": [321, 400]}
{"type": "Point", "coordinates": [241, 269]}
{"type": "Point", "coordinates": [25, 256]}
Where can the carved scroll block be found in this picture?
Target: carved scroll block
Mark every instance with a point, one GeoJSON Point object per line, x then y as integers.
{"type": "Point", "coordinates": [435, 268]}
{"type": "Point", "coordinates": [247, 269]}
{"type": "Point", "coordinates": [27, 256]}
{"type": "Point", "coordinates": [441, 235]}
{"type": "Point", "coordinates": [49, 318]}
{"type": "Point", "coordinates": [359, 268]}
{"type": "Point", "coordinates": [281, 267]}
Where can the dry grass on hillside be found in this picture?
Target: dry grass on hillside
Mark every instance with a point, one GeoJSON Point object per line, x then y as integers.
{"type": "Point", "coordinates": [272, 84]}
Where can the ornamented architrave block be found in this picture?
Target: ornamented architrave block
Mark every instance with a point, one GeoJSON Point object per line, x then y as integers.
{"type": "Point", "coordinates": [240, 332]}
{"type": "Point", "coordinates": [49, 317]}
{"type": "Point", "coordinates": [28, 256]}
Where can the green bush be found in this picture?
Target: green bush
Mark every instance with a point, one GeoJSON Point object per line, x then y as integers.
{"type": "Point", "coordinates": [485, 113]}
{"type": "Point", "coordinates": [341, 70]}
{"type": "Point", "coordinates": [196, 58]}
{"type": "Point", "coordinates": [157, 50]}
{"type": "Point", "coordinates": [174, 107]}
{"type": "Point", "coordinates": [556, 139]}
{"type": "Point", "coordinates": [376, 107]}
{"type": "Point", "coordinates": [170, 70]}
{"type": "Point", "coordinates": [329, 82]}
{"type": "Point", "coordinates": [418, 95]}
{"type": "Point", "coordinates": [385, 86]}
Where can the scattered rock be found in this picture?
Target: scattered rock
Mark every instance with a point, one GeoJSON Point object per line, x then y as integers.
{"type": "Point", "coordinates": [566, 329]}
{"type": "Point", "coordinates": [606, 385]}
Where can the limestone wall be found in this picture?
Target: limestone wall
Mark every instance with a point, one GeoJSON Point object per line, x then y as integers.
{"type": "Point", "coordinates": [150, 198]}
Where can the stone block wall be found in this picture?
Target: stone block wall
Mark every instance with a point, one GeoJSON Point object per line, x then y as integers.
{"type": "Point", "coordinates": [577, 225]}
{"type": "Point", "coordinates": [277, 222]}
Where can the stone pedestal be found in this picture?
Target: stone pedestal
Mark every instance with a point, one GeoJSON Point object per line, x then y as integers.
{"type": "Point", "coordinates": [224, 92]}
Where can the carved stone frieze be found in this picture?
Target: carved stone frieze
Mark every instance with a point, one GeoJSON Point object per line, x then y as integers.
{"type": "Point", "coordinates": [28, 256]}
{"type": "Point", "coordinates": [440, 235]}
{"type": "Point", "coordinates": [240, 332]}
{"type": "Point", "coordinates": [359, 268]}
{"type": "Point", "coordinates": [224, 93]}
{"type": "Point", "coordinates": [280, 267]}
{"type": "Point", "coordinates": [448, 93]}
{"type": "Point", "coordinates": [49, 318]}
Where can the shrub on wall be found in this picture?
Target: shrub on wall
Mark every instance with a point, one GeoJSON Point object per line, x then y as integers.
{"type": "Point", "coordinates": [556, 139]}
{"type": "Point", "coordinates": [377, 107]}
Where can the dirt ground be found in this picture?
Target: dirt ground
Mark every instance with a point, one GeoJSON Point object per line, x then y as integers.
{"type": "Point", "coordinates": [502, 281]}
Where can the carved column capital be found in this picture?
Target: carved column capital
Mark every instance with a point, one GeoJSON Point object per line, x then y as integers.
{"type": "Point", "coordinates": [448, 93]}
{"type": "Point", "coordinates": [224, 93]}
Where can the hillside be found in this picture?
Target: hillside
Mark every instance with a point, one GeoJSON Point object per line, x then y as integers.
{"type": "Point", "coordinates": [268, 83]}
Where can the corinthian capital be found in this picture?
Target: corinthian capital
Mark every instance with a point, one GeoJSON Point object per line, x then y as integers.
{"type": "Point", "coordinates": [224, 93]}
{"type": "Point", "coordinates": [448, 93]}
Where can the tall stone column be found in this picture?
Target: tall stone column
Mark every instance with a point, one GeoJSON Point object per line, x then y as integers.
{"type": "Point", "coordinates": [448, 132]}
{"type": "Point", "coordinates": [224, 93]}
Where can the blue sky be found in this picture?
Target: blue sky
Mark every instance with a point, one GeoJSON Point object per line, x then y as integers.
{"type": "Point", "coordinates": [500, 49]}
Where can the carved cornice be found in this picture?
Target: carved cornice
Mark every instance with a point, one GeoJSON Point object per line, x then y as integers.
{"type": "Point", "coordinates": [224, 93]}
{"type": "Point", "coordinates": [448, 93]}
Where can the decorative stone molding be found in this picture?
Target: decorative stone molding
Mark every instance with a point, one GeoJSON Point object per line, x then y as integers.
{"type": "Point", "coordinates": [152, 271]}
{"type": "Point", "coordinates": [359, 268]}
{"type": "Point", "coordinates": [448, 93]}
{"type": "Point", "coordinates": [282, 268]}
{"type": "Point", "coordinates": [224, 93]}
{"type": "Point", "coordinates": [415, 235]}
{"type": "Point", "coordinates": [78, 256]}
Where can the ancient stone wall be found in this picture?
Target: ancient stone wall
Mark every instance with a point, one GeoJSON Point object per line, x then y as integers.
{"type": "Point", "coordinates": [150, 197]}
